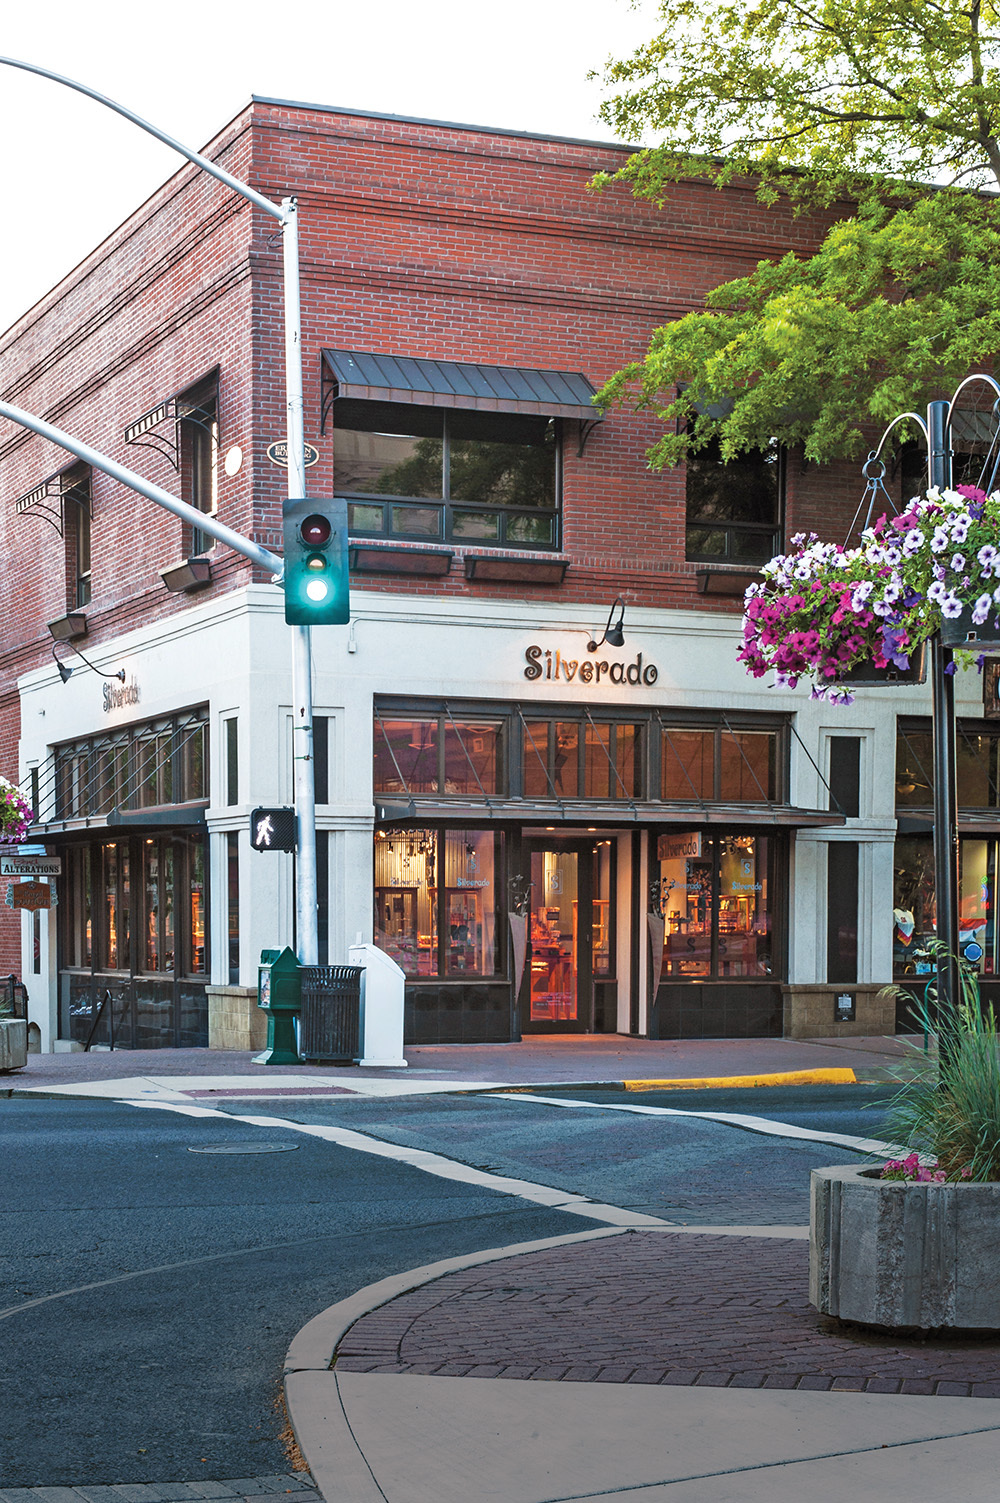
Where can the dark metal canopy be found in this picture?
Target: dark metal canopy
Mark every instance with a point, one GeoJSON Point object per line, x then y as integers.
{"type": "Point", "coordinates": [458, 383]}
{"type": "Point", "coordinates": [394, 808]}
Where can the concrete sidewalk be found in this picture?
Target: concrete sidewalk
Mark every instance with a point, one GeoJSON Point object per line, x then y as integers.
{"type": "Point", "coordinates": [676, 1365]}
{"type": "Point", "coordinates": [565, 1059]}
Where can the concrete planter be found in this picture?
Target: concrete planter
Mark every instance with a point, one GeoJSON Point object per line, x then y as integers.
{"type": "Point", "coordinates": [898, 1256]}
{"type": "Point", "coordinates": [13, 1043]}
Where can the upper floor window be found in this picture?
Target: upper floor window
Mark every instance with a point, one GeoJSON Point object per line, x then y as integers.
{"type": "Point", "coordinates": [447, 475]}
{"type": "Point", "coordinates": [198, 434]}
{"type": "Point", "coordinates": [77, 514]}
{"type": "Point", "coordinates": [977, 764]}
{"type": "Point", "coordinates": [734, 508]}
{"type": "Point", "coordinates": [574, 758]}
{"type": "Point", "coordinates": [731, 765]}
{"type": "Point", "coordinates": [438, 754]}
{"type": "Point", "coordinates": [144, 766]}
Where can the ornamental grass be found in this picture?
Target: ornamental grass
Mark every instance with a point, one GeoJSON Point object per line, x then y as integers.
{"type": "Point", "coordinates": [954, 1114]}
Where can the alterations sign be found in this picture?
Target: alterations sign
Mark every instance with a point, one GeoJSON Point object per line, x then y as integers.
{"type": "Point", "coordinates": [30, 866]}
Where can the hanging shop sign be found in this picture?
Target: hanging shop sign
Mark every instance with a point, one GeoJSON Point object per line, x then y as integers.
{"type": "Point", "coordinates": [278, 454]}
{"type": "Point", "coordinates": [547, 663]}
{"type": "Point", "coordinates": [30, 866]}
{"type": "Point", "coordinates": [30, 895]}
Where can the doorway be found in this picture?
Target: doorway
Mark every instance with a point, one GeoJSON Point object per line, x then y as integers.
{"type": "Point", "coordinates": [570, 939]}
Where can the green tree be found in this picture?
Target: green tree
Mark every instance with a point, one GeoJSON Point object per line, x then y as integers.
{"type": "Point", "coordinates": [887, 113]}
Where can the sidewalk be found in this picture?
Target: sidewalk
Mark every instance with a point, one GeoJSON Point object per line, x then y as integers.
{"type": "Point", "coordinates": [565, 1059]}
{"type": "Point", "coordinates": [658, 1366]}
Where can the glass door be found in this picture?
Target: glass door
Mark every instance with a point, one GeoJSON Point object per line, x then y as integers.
{"type": "Point", "coordinates": [560, 940]}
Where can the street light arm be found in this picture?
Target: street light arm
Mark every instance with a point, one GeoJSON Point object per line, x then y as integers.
{"type": "Point", "coordinates": [262, 557]}
{"type": "Point", "coordinates": [277, 211]}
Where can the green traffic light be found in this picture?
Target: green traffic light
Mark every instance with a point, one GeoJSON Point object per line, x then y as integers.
{"type": "Point", "coordinates": [315, 575]}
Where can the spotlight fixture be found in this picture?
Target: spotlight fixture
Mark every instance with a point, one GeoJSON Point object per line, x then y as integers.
{"type": "Point", "coordinates": [67, 673]}
{"type": "Point", "coordinates": [613, 634]}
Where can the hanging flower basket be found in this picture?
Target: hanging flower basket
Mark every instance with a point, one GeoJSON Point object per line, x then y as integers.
{"type": "Point", "coordinates": [15, 813]}
{"type": "Point", "coordinates": [843, 617]}
{"type": "Point", "coordinates": [965, 631]}
{"type": "Point", "coordinates": [867, 676]}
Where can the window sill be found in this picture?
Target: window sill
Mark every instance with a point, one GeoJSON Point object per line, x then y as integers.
{"type": "Point", "coordinates": [726, 580]}
{"type": "Point", "coordinates": [511, 569]}
{"type": "Point", "coordinates": [388, 558]}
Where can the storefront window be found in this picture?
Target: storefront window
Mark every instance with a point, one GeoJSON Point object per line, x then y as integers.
{"type": "Point", "coordinates": [142, 767]}
{"type": "Point", "coordinates": [713, 896]}
{"type": "Point", "coordinates": [977, 766]}
{"type": "Point", "coordinates": [471, 756]}
{"type": "Point", "coordinates": [194, 860]}
{"type": "Point", "coordinates": [446, 754]}
{"type": "Point", "coordinates": [406, 756]}
{"type": "Point", "coordinates": [604, 870]}
{"type": "Point", "coordinates": [734, 766]}
{"type": "Point", "coordinates": [915, 909]}
{"type": "Point", "coordinates": [570, 759]}
{"type": "Point", "coordinates": [469, 897]}
{"type": "Point", "coordinates": [406, 864]}
{"type": "Point", "coordinates": [116, 906]}
{"type": "Point", "coordinates": [436, 900]}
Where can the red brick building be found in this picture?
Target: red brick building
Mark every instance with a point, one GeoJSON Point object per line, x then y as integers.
{"type": "Point", "coordinates": [657, 815]}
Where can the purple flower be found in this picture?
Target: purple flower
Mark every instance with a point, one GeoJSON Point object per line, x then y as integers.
{"type": "Point", "coordinates": [951, 606]}
{"type": "Point", "coordinates": [958, 562]}
{"type": "Point", "coordinates": [981, 610]}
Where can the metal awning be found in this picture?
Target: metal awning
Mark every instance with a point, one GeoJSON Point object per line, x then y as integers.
{"type": "Point", "coordinates": [457, 383]}
{"type": "Point", "coordinates": [393, 808]}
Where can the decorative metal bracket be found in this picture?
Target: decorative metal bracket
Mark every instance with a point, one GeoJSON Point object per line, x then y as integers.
{"type": "Point", "coordinates": [586, 429]}
{"type": "Point", "coordinates": [143, 432]}
{"type": "Point", "coordinates": [47, 502]}
{"type": "Point", "coordinates": [329, 390]}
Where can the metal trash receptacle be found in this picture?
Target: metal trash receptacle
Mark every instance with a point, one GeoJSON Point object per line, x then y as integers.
{"type": "Point", "coordinates": [330, 1024]}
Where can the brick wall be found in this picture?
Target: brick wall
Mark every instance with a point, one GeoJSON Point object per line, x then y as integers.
{"type": "Point", "coordinates": [417, 239]}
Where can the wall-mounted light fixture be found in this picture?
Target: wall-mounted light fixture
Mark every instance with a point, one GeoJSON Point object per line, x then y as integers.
{"type": "Point", "coordinates": [190, 574]}
{"type": "Point", "coordinates": [614, 634]}
{"type": "Point", "coordinates": [67, 673]}
{"type": "Point", "coordinates": [68, 627]}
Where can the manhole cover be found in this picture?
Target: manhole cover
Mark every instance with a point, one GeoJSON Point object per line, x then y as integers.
{"type": "Point", "coordinates": [247, 1148]}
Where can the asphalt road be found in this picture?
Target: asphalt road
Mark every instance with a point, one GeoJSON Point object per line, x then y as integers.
{"type": "Point", "coordinates": [188, 1275]}
{"type": "Point", "coordinates": [150, 1292]}
{"type": "Point", "coordinates": [682, 1169]}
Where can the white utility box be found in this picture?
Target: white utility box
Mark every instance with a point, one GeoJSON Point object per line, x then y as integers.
{"type": "Point", "coordinates": [382, 987]}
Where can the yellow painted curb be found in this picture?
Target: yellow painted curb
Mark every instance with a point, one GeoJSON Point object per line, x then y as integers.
{"type": "Point", "coordinates": [791, 1077]}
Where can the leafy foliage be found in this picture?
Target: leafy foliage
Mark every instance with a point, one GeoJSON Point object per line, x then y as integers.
{"type": "Point", "coordinates": [819, 104]}
{"type": "Point", "coordinates": [814, 99]}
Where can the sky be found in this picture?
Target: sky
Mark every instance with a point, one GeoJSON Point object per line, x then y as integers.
{"type": "Point", "coordinates": [72, 170]}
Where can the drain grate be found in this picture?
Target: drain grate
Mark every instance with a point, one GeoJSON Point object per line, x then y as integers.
{"type": "Point", "coordinates": [249, 1147]}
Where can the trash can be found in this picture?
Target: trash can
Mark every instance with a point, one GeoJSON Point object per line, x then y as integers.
{"type": "Point", "coordinates": [331, 1012]}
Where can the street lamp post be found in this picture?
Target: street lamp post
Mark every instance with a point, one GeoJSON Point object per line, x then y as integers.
{"type": "Point", "coordinates": [286, 213]}
{"type": "Point", "coordinates": [937, 432]}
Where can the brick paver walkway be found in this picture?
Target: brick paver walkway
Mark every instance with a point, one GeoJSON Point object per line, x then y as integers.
{"type": "Point", "coordinates": [655, 1307]}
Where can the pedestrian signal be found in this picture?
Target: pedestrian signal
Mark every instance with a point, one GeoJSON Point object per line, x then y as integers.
{"type": "Point", "coordinates": [272, 829]}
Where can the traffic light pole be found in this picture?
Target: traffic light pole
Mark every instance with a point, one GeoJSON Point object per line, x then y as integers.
{"type": "Point", "coordinates": [286, 213]}
{"type": "Point", "coordinates": [303, 764]}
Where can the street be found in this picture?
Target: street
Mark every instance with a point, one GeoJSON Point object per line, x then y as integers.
{"type": "Point", "coordinates": [152, 1288]}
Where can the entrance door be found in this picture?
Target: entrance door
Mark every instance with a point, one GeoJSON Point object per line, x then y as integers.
{"type": "Point", "coordinates": [560, 989]}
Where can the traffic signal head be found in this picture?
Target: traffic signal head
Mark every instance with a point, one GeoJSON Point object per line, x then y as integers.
{"type": "Point", "coordinates": [315, 547]}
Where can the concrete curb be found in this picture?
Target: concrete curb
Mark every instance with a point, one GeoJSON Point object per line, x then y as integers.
{"type": "Point", "coordinates": [312, 1396]}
